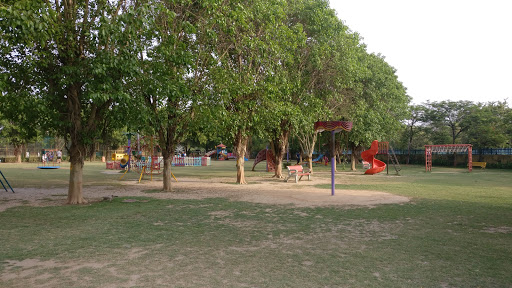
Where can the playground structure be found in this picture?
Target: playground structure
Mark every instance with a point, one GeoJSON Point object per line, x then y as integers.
{"type": "Point", "coordinates": [49, 159]}
{"type": "Point", "coordinates": [377, 166]}
{"type": "Point", "coordinates": [265, 155]}
{"type": "Point", "coordinates": [145, 159]}
{"type": "Point", "coordinates": [221, 153]}
{"type": "Point", "coordinates": [6, 182]}
{"type": "Point", "coordinates": [320, 160]}
{"type": "Point", "coordinates": [334, 127]}
{"type": "Point", "coordinates": [383, 148]}
{"type": "Point", "coordinates": [448, 148]}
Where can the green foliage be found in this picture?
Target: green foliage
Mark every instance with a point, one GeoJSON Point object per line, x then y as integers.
{"type": "Point", "coordinates": [73, 59]}
{"type": "Point", "coordinates": [378, 106]}
{"type": "Point", "coordinates": [487, 125]}
{"type": "Point", "coordinates": [484, 125]}
{"type": "Point", "coordinates": [450, 114]}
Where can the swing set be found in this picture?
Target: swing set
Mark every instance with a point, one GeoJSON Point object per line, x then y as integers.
{"type": "Point", "coordinates": [7, 182]}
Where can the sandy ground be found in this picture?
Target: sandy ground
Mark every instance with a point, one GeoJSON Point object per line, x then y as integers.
{"type": "Point", "coordinates": [264, 190]}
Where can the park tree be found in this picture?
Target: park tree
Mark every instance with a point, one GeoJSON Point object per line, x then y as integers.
{"type": "Point", "coordinates": [173, 77]}
{"type": "Point", "coordinates": [244, 49]}
{"type": "Point", "coordinates": [487, 125]}
{"type": "Point", "coordinates": [284, 100]}
{"type": "Point", "coordinates": [451, 114]}
{"type": "Point", "coordinates": [319, 71]}
{"type": "Point", "coordinates": [18, 118]}
{"type": "Point", "coordinates": [413, 126]}
{"type": "Point", "coordinates": [78, 53]}
{"type": "Point", "coordinates": [377, 104]}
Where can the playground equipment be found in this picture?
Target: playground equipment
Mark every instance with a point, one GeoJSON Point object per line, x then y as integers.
{"type": "Point", "coordinates": [49, 159]}
{"type": "Point", "coordinates": [7, 182]}
{"type": "Point", "coordinates": [210, 153]}
{"type": "Point", "coordinates": [448, 148]}
{"type": "Point", "coordinates": [149, 163]}
{"type": "Point", "coordinates": [386, 149]}
{"type": "Point", "coordinates": [377, 166]}
{"type": "Point", "coordinates": [146, 161]}
{"type": "Point", "coordinates": [334, 127]}
{"type": "Point", "coordinates": [221, 153]}
{"type": "Point", "coordinates": [265, 154]}
{"type": "Point", "coordinates": [319, 160]}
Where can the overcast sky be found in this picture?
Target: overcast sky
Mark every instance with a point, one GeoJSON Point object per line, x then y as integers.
{"type": "Point", "coordinates": [442, 50]}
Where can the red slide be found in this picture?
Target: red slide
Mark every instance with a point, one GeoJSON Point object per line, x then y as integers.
{"type": "Point", "coordinates": [368, 156]}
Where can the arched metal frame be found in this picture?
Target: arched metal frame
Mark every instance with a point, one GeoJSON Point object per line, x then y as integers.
{"type": "Point", "coordinates": [448, 148]}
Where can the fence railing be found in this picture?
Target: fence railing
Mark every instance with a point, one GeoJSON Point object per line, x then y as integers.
{"type": "Point", "coordinates": [483, 151]}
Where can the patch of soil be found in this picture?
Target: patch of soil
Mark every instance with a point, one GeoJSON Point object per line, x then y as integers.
{"type": "Point", "coordinates": [265, 190]}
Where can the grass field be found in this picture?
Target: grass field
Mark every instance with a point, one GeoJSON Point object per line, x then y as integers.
{"type": "Point", "coordinates": [455, 232]}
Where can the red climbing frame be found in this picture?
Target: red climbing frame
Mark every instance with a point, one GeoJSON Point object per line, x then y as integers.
{"type": "Point", "coordinates": [448, 148]}
{"type": "Point", "coordinates": [383, 148]}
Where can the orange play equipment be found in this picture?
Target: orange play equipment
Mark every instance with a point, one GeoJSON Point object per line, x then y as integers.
{"type": "Point", "coordinates": [369, 156]}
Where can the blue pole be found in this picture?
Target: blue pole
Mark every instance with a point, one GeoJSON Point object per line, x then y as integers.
{"type": "Point", "coordinates": [6, 182]}
{"type": "Point", "coordinates": [332, 164]}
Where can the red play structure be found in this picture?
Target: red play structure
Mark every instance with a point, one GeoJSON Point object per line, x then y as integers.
{"type": "Point", "coordinates": [448, 148]}
{"type": "Point", "coordinates": [265, 154]}
{"type": "Point", "coordinates": [369, 156]}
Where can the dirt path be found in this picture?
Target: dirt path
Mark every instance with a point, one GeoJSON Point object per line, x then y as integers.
{"type": "Point", "coordinates": [259, 190]}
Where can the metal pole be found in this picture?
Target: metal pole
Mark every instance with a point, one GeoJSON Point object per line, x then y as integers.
{"type": "Point", "coordinates": [333, 167]}
{"type": "Point", "coordinates": [6, 182]}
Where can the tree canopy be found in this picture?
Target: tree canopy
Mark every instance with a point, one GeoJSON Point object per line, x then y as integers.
{"type": "Point", "coordinates": [233, 69]}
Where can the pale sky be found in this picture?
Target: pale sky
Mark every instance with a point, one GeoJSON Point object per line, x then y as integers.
{"type": "Point", "coordinates": [442, 49]}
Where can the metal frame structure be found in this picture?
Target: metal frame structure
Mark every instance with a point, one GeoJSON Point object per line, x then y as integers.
{"type": "Point", "coordinates": [384, 149]}
{"type": "Point", "coordinates": [447, 148]}
{"type": "Point", "coordinates": [334, 127]}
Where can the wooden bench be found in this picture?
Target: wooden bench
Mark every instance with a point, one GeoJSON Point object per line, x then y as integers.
{"type": "Point", "coordinates": [479, 164]}
{"type": "Point", "coordinates": [296, 171]}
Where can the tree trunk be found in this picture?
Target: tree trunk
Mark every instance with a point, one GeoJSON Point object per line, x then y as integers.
{"type": "Point", "coordinates": [353, 159]}
{"type": "Point", "coordinates": [240, 148]}
{"type": "Point", "coordinates": [279, 147]}
{"type": "Point", "coordinates": [408, 153]}
{"type": "Point", "coordinates": [75, 192]}
{"type": "Point", "coordinates": [307, 144]}
{"type": "Point", "coordinates": [77, 149]}
{"type": "Point", "coordinates": [17, 153]}
{"type": "Point", "coordinates": [167, 173]}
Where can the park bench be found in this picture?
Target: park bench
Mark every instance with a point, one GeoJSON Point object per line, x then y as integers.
{"type": "Point", "coordinates": [479, 164]}
{"type": "Point", "coordinates": [296, 171]}
{"type": "Point", "coordinates": [366, 165]}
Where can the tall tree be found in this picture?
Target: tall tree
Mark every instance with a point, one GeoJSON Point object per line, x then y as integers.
{"type": "Point", "coordinates": [376, 105]}
{"type": "Point", "coordinates": [244, 50]}
{"type": "Point", "coordinates": [412, 122]}
{"type": "Point", "coordinates": [452, 114]}
{"type": "Point", "coordinates": [319, 71]}
{"type": "Point", "coordinates": [173, 72]}
{"type": "Point", "coordinates": [487, 125]}
{"type": "Point", "coordinates": [78, 53]}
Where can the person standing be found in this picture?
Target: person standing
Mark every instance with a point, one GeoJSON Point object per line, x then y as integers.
{"type": "Point", "coordinates": [59, 156]}
{"type": "Point", "coordinates": [27, 155]}
{"type": "Point", "coordinates": [298, 157]}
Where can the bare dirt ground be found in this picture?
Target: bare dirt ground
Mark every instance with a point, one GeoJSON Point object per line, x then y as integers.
{"type": "Point", "coordinates": [263, 190]}
{"type": "Point", "coordinates": [120, 269]}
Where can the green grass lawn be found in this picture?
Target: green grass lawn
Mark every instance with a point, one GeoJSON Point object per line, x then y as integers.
{"type": "Point", "coordinates": [455, 232]}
